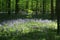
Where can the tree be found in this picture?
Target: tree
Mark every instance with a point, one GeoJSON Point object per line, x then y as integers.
{"type": "Point", "coordinates": [17, 7]}
{"type": "Point", "coordinates": [36, 8]}
{"type": "Point", "coordinates": [52, 10]}
{"type": "Point", "coordinates": [0, 5]}
{"type": "Point", "coordinates": [58, 15]}
{"type": "Point", "coordinates": [44, 6]}
{"type": "Point", "coordinates": [27, 3]}
{"type": "Point", "coordinates": [8, 4]}
{"type": "Point", "coordinates": [31, 4]}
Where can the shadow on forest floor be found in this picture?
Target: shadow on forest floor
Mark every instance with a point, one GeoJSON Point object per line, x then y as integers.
{"type": "Point", "coordinates": [32, 35]}
{"type": "Point", "coordinates": [17, 16]}
{"type": "Point", "coordinates": [37, 35]}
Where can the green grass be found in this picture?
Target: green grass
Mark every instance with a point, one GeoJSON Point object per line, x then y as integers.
{"type": "Point", "coordinates": [30, 31]}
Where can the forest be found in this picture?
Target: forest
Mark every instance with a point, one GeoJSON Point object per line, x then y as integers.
{"type": "Point", "coordinates": [29, 8]}
{"type": "Point", "coordinates": [29, 19]}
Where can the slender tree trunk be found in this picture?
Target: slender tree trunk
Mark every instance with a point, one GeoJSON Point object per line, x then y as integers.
{"type": "Point", "coordinates": [16, 7]}
{"type": "Point", "coordinates": [31, 4]}
{"type": "Point", "coordinates": [52, 10]}
{"type": "Point", "coordinates": [32, 7]}
{"type": "Point", "coordinates": [1, 6]}
{"type": "Point", "coordinates": [58, 15]}
{"type": "Point", "coordinates": [9, 4]}
{"type": "Point", "coordinates": [27, 5]}
{"type": "Point", "coordinates": [36, 8]}
{"type": "Point", "coordinates": [44, 6]}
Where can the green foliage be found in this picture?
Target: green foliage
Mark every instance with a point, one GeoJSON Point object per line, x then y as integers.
{"type": "Point", "coordinates": [29, 7]}
{"type": "Point", "coordinates": [22, 4]}
{"type": "Point", "coordinates": [29, 31]}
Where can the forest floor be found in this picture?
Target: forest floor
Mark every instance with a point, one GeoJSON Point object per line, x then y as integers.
{"type": "Point", "coordinates": [28, 29]}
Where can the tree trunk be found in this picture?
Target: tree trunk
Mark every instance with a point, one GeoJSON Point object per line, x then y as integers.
{"type": "Point", "coordinates": [58, 15]}
{"type": "Point", "coordinates": [44, 6]}
{"type": "Point", "coordinates": [27, 3]}
{"type": "Point", "coordinates": [16, 7]}
{"type": "Point", "coordinates": [36, 8]}
{"type": "Point", "coordinates": [8, 4]}
{"type": "Point", "coordinates": [31, 4]}
{"type": "Point", "coordinates": [52, 10]}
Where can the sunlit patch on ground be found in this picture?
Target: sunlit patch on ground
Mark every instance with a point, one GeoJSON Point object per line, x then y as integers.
{"type": "Point", "coordinates": [29, 29]}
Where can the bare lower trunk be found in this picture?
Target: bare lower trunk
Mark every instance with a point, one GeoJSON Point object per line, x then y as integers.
{"type": "Point", "coordinates": [52, 10]}
{"type": "Point", "coordinates": [58, 15]}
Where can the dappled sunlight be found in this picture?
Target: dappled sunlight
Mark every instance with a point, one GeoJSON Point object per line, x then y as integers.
{"type": "Point", "coordinates": [29, 29]}
{"type": "Point", "coordinates": [30, 24]}
{"type": "Point", "coordinates": [29, 20]}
